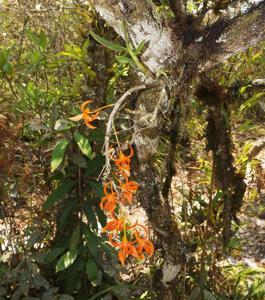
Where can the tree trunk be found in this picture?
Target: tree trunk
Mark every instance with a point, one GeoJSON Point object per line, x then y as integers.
{"type": "Point", "coordinates": [181, 50]}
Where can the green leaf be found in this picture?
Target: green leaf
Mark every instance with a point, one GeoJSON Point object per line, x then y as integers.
{"type": "Point", "coordinates": [75, 238]}
{"type": "Point", "coordinates": [7, 68]}
{"type": "Point", "coordinates": [92, 241]}
{"type": "Point", "coordinates": [66, 260]}
{"type": "Point", "coordinates": [260, 289]}
{"type": "Point", "coordinates": [102, 292]}
{"type": "Point", "coordinates": [95, 165]}
{"type": "Point", "coordinates": [72, 279]}
{"type": "Point", "coordinates": [73, 51]}
{"type": "Point", "coordinates": [218, 196]}
{"type": "Point", "coordinates": [43, 41]}
{"type": "Point", "coordinates": [90, 215]}
{"type": "Point", "coordinates": [250, 102]}
{"type": "Point", "coordinates": [208, 295]}
{"type": "Point", "coordinates": [101, 216]}
{"type": "Point", "coordinates": [136, 60]}
{"type": "Point", "coordinates": [140, 47]}
{"type": "Point", "coordinates": [109, 250]}
{"type": "Point", "coordinates": [66, 212]}
{"type": "Point", "coordinates": [85, 46]}
{"type": "Point", "coordinates": [83, 144]}
{"type": "Point", "coordinates": [53, 254]}
{"type": "Point", "coordinates": [58, 154]}
{"type": "Point", "coordinates": [195, 293]}
{"type": "Point", "coordinates": [32, 37]}
{"type": "Point", "coordinates": [59, 193]}
{"type": "Point", "coordinates": [79, 160]}
{"type": "Point", "coordinates": [97, 136]}
{"type": "Point", "coordinates": [92, 269]}
{"type": "Point", "coordinates": [247, 125]}
{"type": "Point", "coordinates": [72, 55]}
{"type": "Point", "coordinates": [108, 44]}
{"type": "Point", "coordinates": [97, 188]}
{"type": "Point", "coordinates": [243, 89]}
{"type": "Point", "coordinates": [124, 59]}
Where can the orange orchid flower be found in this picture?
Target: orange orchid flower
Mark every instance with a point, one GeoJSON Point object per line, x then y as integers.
{"type": "Point", "coordinates": [123, 161]}
{"type": "Point", "coordinates": [116, 224]}
{"type": "Point", "coordinates": [126, 248]}
{"type": "Point", "coordinates": [87, 115]}
{"type": "Point", "coordinates": [128, 188]}
{"type": "Point", "coordinates": [144, 244]}
{"type": "Point", "coordinates": [108, 202]}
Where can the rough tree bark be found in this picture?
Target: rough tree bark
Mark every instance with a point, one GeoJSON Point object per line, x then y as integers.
{"type": "Point", "coordinates": [182, 49]}
{"type": "Point", "coordinates": [218, 135]}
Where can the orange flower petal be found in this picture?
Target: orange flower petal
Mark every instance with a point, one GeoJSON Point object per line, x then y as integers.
{"type": "Point", "coordinates": [114, 225]}
{"type": "Point", "coordinates": [84, 104]}
{"type": "Point", "coordinates": [144, 244]}
{"type": "Point", "coordinates": [76, 118]}
{"type": "Point", "coordinates": [132, 152]}
{"type": "Point", "coordinates": [122, 255]}
{"type": "Point", "coordinates": [89, 125]}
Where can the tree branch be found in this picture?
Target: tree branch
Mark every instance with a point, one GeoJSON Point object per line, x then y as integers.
{"type": "Point", "coordinates": [144, 24]}
{"type": "Point", "coordinates": [228, 37]}
{"type": "Point", "coordinates": [178, 8]}
{"type": "Point", "coordinates": [110, 123]}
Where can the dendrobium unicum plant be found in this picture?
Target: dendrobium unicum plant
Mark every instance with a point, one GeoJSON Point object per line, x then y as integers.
{"type": "Point", "coordinates": [119, 192]}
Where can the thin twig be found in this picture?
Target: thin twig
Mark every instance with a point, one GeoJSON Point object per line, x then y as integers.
{"type": "Point", "coordinates": [22, 36]}
{"type": "Point", "coordinates": [11, 86]}
{"type": "Point", "coordinates": [111, 119]}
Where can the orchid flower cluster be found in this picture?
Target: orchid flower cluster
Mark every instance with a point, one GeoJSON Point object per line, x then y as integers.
{"type": "Point", "coordinates": [131, 240]}
{"type": "Point", "coordinates": [118, 194]}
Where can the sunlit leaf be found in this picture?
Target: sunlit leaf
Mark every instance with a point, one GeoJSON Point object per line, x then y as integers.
{"type": "Point", "coordinates": [243, 89]}
{"type": "Point", "coordinates": [108, 44]}
{"type": "Point", "coordinates": [90, 215]}
{"type": "Point", "coordinates": [83, 144]}
{"type": "Point", "coordinates": [92, 241]}
{"type": "Point", "coordinates": [66, 260]}
{"type": "Point", "coordinates": [250, 102]}
{"type": "Point", "coordinates": [58, 154]}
